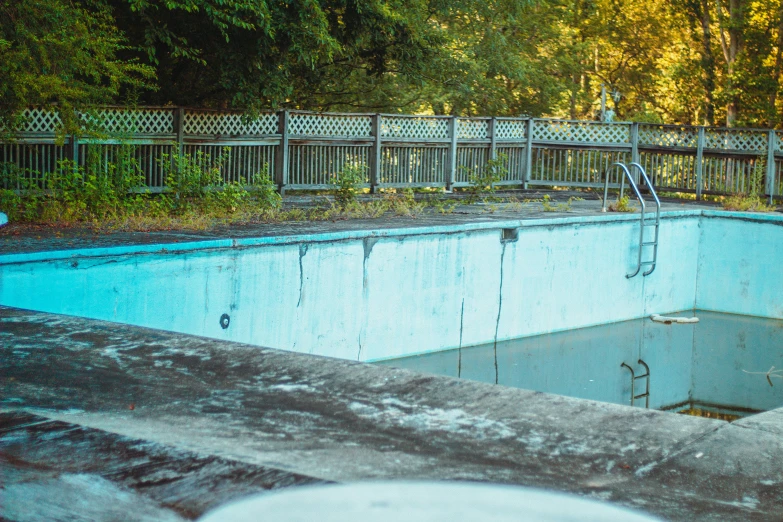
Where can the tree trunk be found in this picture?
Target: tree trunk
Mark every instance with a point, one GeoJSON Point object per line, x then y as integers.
{"type": "Point", "coordinates": [707, 63]}
{"type": "Point", "coordinates": [731, 50]}
{"type": "Point", "coordinates": [772, 121]}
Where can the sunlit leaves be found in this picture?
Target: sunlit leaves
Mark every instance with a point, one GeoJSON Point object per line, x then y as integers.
{"type": "Point", "coordinates": [54, 51]}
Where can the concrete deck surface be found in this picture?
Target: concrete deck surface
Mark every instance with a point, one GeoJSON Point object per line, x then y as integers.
{"type": "Point", "coordinates": [16, 239]}
{"type": "Point", "coordinates": [98, 419]}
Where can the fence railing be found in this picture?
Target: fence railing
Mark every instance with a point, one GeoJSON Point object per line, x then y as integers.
{"type": "Point", "coordinates": [306, 150]}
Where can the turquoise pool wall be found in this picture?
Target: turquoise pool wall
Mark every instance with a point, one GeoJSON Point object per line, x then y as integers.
{"type": "Point", "coordinates": [584, 363]}
{"type": "Point", "coordinates": [729, 363]}
{"type": "Point", "coordinates": [741, 264]}
{"type": "Point", "coordinates": [717, 363]}
{"type": "Point", "coordinates": [389, 293]}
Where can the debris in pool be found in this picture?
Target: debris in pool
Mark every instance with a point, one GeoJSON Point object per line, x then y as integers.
{"type": "Point", "coordinates": [672, 320]}
{"type": "Point", "coordinates": [772, 372]}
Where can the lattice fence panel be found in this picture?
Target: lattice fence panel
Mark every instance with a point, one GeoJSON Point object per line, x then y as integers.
{"type": "Point", "coordinates": [417, 164]}
{"type": "Point", "coordinates": [574, 167]}
{"type": "Point", "coordinates": [672, 171]}
{"type": "Point", "coordinates": [322, 164]}
{"type": "Point", "coordinates": [738, 140]}
{"type": "Point", "coordinates": [470, 129]}
{"type": "Point", "coordinates": [778, 141]}
{"type": "Point", "coordinates": [418, 127]}
{"type": "Point", "coordinates": [206, 123]}
{"type": "Point", "coordinates": [511, 129]}
{"type": "Point", "coordinates": [329, 125]}
{"type": "Point", "coordinates": [581, 132]}
{"type": "Point", "coordinates": [665, 136]}
{"type": "Point", "coordinates": [130, 122]}
{"type": "Point", "coordinates": [44, 121]}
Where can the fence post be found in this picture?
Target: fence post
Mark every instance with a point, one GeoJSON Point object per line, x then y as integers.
{"type": "Point", "coordinates": [451, 171]}
{"type": "Point", "coordinates": [635, 142]}
{"type": "Point", "coordinates": [179, 129]}
{"type": "Point", "coordinates": [634, 135]}
{"type": "Point", "coordinates": [699, 163]}
{"type": "Point", "coordinates": [375, 154]}
{"type": "Point", "coordinates": [526, 174]}
{"type": "Point", "coordinates": [492, 125]}
{"type": "Point", "coordinates": [771, 143]}
{"type": "Point", "coordinates": [281, 158]}
{"type": "Point", "coordinates": [75, 151]}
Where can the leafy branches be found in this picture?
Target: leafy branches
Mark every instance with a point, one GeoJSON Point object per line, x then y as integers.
{"type": "Point", "coordinates": [56, 51]}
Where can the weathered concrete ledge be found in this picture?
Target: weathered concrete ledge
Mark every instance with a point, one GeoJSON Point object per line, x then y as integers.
{"type": "Point", "coordinates": [111, 400]}
{"type": "Point", "coordinates": [51, 243]}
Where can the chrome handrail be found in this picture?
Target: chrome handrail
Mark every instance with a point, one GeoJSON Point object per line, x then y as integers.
{"type": "Point", "coordinates": [643, 213]}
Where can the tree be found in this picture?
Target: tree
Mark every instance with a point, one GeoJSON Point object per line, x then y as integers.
{"type": "Point", "coordinates": [57, 52]}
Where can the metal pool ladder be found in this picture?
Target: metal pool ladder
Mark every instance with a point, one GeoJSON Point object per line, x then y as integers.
{"type": "Point", "coordinates": [634, 378]}
{"type": "Point", "coordinates": [644, 219]}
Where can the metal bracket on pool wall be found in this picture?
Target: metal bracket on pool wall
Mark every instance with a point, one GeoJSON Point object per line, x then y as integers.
{"type": "Point", "coordinates": [644, 221]}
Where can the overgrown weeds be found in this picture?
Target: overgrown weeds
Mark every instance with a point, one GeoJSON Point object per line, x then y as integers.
{"type": "Point", "coordinates": [112, 195]}
{"type": "Point", "coordinates": [752, 200]}
{"type": "Point", "coordinates": [346, 184]}
{"type": "Point", "coordinates": [623, 204]}
{"type": "Point", "coordinates": [547, 205]}
{"type": "Point", "coordinates": [483, 181]}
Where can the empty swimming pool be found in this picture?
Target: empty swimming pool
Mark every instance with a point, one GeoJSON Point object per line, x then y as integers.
{"type": "Point", "coordinates": [480, 300]}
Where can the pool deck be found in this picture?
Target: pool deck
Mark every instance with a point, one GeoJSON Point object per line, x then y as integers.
{"type": "Point", "coordinates": [100, 420]}
{"type": "Point", "coordinates": [16, 240]}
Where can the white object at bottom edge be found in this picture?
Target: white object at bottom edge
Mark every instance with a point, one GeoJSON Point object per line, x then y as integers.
{"type": "Point", "coordinates": [419, 502]}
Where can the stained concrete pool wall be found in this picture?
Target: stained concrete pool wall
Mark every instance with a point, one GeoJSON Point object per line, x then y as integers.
{"type": "Point", "coordinates": [372, 295]}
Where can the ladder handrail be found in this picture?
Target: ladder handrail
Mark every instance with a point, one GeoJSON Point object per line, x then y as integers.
{"type": "Point", "coordinates": [630, 180]}
{"type": "Point", "coordinates": [649, 186]}
{"type": "Point", "coordinates": [643, 212]}
{"type": "Point", "coordinates": [657, 220]}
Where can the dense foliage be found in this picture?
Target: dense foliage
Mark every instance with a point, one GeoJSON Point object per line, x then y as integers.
{"type": "Point", "coordinates": [686, 61]}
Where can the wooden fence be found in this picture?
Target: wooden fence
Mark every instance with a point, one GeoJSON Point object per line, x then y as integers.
{"type": "Point", "coordinates": [306, 150]}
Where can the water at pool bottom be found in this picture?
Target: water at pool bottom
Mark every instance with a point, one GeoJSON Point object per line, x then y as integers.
{"type": "Point", "coordinates": [719, 364]}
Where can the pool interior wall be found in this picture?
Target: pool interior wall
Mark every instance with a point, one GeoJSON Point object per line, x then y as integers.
{"type": "Point", "coordinates": [717, 364]}
{"type": "Point", "coordinates": [374, 295]}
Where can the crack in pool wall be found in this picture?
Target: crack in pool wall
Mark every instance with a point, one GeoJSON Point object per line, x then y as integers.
{"type": "Point", "coordinates": [367, 244]}
{"type": "Point", "coordinates": [500, 306]}
{"type": "Point", "coordinates": [302, 253]}
{"type": "Point", "coordinates": [459, 353]}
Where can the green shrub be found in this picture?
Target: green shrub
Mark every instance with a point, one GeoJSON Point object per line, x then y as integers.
{"type": "Point", "coordinates": [751, 201]}
{"type": "Point", "coordinates": [346, 184]}
{"type": "Point", "coordinates": [623, 204]}
{"type": "Point", "coordinates": [548, 206]}
{"type": "Point", "coordinates": [264, 190]}
{"type": "Point", "coordinates": [482, 181]}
